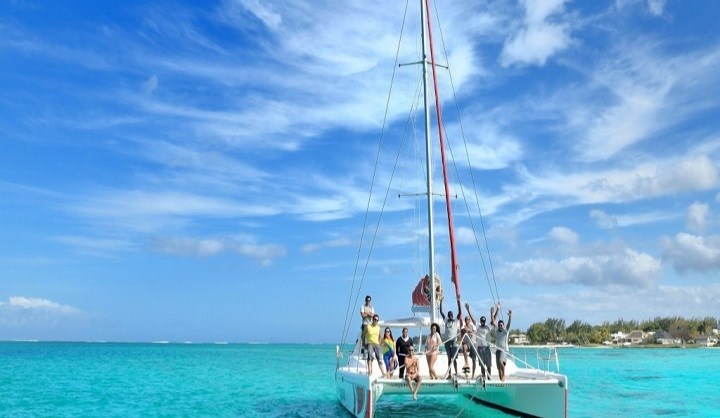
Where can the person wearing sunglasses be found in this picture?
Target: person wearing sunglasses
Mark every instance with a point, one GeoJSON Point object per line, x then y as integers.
{"type": "Point", "coordinates": [483, 344]}
{"type": "Point", "coordinates": [412, 372]}
{"type": "Point", "coordinates": [366, 313]}
{"type": "Point", "coordinates": [372, 345]}
{"type": "Point", "coordinates": [402, 345]}
{"type": "Point", "coordinates": [389, 353]}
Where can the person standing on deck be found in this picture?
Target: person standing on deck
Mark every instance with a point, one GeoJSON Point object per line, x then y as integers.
{"type": "Point", "coordinates": [389, 353]}
{"type": "Point", "coordinates": [432, 347]}
{"type": "Point", "coordinates": [501, 341]}
{"type": "Point", "coordinates": [469, 344]}
{"type": "Point", "coordinates": [366, 313]}
{"type": "Point", "coordinates": [483, 344]}
{"type": "Point", "coordinates": [402, 345]}
{"type": "Point", "coordinates": [372, 347]}
{"type": "Point", "coordinates": [452, 326]}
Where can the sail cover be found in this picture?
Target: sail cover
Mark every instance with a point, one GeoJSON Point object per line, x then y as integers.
{"type": "Point", "coordinates": [421, 294]}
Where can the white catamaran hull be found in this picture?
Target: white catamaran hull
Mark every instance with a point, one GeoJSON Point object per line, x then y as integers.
{"type": "Point", "coordinates": [529, 392]}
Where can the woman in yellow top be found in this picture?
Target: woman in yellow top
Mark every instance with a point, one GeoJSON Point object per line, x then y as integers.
{"type": "Point", "coordinates": [389, 355]}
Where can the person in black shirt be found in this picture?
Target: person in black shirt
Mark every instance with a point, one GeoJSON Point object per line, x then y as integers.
{"type": "Point", "coordinates": [402, 345]}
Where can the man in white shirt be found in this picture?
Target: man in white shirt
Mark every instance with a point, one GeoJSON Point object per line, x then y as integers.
{"type": "Point", "coordinates": [452, 326]}
{"type": "Point", "coordinates": [501, 341]}
{"type": "Point", "coordinates": [366, 313]}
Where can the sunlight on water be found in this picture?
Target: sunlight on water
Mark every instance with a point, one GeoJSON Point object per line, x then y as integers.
{"type": "Point", "coordinates": [92, 379]}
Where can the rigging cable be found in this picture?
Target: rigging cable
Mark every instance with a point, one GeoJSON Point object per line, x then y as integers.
{"type": "Point", "coordinates": [493, 287]}
{"type": "Point", "coordinates": [441, 133]}
{"type": "Point", "coordinates": [353, 290]}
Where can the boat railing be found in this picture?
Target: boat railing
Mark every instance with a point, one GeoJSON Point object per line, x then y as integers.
{"type": "Point", "coordinates": [545, 356]}
{"type": "Point", "coordinates": [550, 357]}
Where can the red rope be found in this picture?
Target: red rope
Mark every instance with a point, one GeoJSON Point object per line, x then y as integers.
{"type": "Point", "coordinates": [438, 112]}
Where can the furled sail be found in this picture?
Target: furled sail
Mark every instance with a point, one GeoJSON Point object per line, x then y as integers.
{"type": "Point", "coordinates": [421, 294]}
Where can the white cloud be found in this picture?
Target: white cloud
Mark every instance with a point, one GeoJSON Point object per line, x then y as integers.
{"type": "Point", "coordinates": [600, 305]}
{"type": "Point", "coordinates": [151, 211]}
{"type": "Point", "coordinates": [190, 246]}
{"type": "Point", "coordinates": [697, 217]}
{"type": "Point", "coordinates": [607, 221]}
{"type": "Point", "coordinates": [150, 85]}
{"type": "Point", "coordinates": [488, 148]}
{"type": "Point", "coordinates": [603, 219]}
{"type": "Point", "coordinates": [654, 7]}
{"type": "Point", "coordinates": [540, 37]}
{"type": "Point", "coordinates": [263, 12]}
{"type": "Point", "coordinates": [563, 235]}
{"type": "Point", "coordinates": [624, 268]}
{"type": "Point", "coordinates": [658, 178]}
{"type": "Point", "coordinates": [657, 7]}
{"type": "Point", "coordinates": [691, 252]}
{"type": "Point", "coordinates": [635, 93]}
{"type": "Point", "coordinates": [264, 253]}
{"type": "Point", "coordinates": [23, 311]}
{"type": "Point", "coordinates": [333, 243]}
{"type": "Point", "coordinates": [465, 235]}
{"type": "Point", "coordinates": [96, 245]}
{"type": "Point", "coordinates": [623, 124]}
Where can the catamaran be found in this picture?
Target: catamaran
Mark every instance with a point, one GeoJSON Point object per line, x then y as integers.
{"type": "Point", "coordinates": [526, 390]}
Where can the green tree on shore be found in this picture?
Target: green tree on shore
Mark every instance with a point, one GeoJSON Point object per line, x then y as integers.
{"type": "Point", "coordinates": [553, 330]}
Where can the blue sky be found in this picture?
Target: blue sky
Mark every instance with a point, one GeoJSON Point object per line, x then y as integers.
{"type": "Point", "coordinates": [199, 171]}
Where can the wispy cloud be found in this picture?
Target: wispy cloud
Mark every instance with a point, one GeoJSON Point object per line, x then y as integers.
{"type": "Point", "coordinates": [697, 217]}
{"type": "Point", "coordinates": [646, 91]}
{"type": "Point", "coordinates": [610, 221]}
{"type": "Point", "coordinates": [22, 310]}
{"type": "Point", "coordinates": [622, 267]}
{"type": "Point", "coordinates": [689, 252]}
{"type": "Point", "coordinates": [333, 243]}
{"type": "Point", "coordinates": [564, 236]}
{"type": "Point", "coordinates": [649, 180]}
{"type": "Point", "coordinates": [204, 247]}
{"type": "Point", "coordinates": [600, 305]}
{"type": "Point", "coordinates": [541, 35]}
{"type": "Point", "coordinates": [98, 246]}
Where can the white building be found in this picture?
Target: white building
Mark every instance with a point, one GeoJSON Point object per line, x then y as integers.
{"type": "Point", "coordinates": [706, 340]}
{"type": "Point", "coordinates": [518, 339]}
{"type": "Point", "coordinates": [618, 337]}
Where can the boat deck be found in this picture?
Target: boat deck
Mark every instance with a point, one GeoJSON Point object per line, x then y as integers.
{"type": "Point", "coordinates": [519, 392]}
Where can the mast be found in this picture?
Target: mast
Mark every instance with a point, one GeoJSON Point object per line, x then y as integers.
{"type": "Point", "coordinates": [438, 113]}
{"type": "Point", "coordinates": [428, 166]}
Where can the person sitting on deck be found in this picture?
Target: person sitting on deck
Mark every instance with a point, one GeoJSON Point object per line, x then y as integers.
{"type": "Point", "coordinates": [412, 372]}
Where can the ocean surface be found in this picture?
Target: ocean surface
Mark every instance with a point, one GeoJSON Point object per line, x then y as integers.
{"type": "Point", "coordinates": [259, 380]}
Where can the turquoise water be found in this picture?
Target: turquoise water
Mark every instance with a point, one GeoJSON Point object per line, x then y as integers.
{"type": "Point", "coordinates": [147, 380]}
